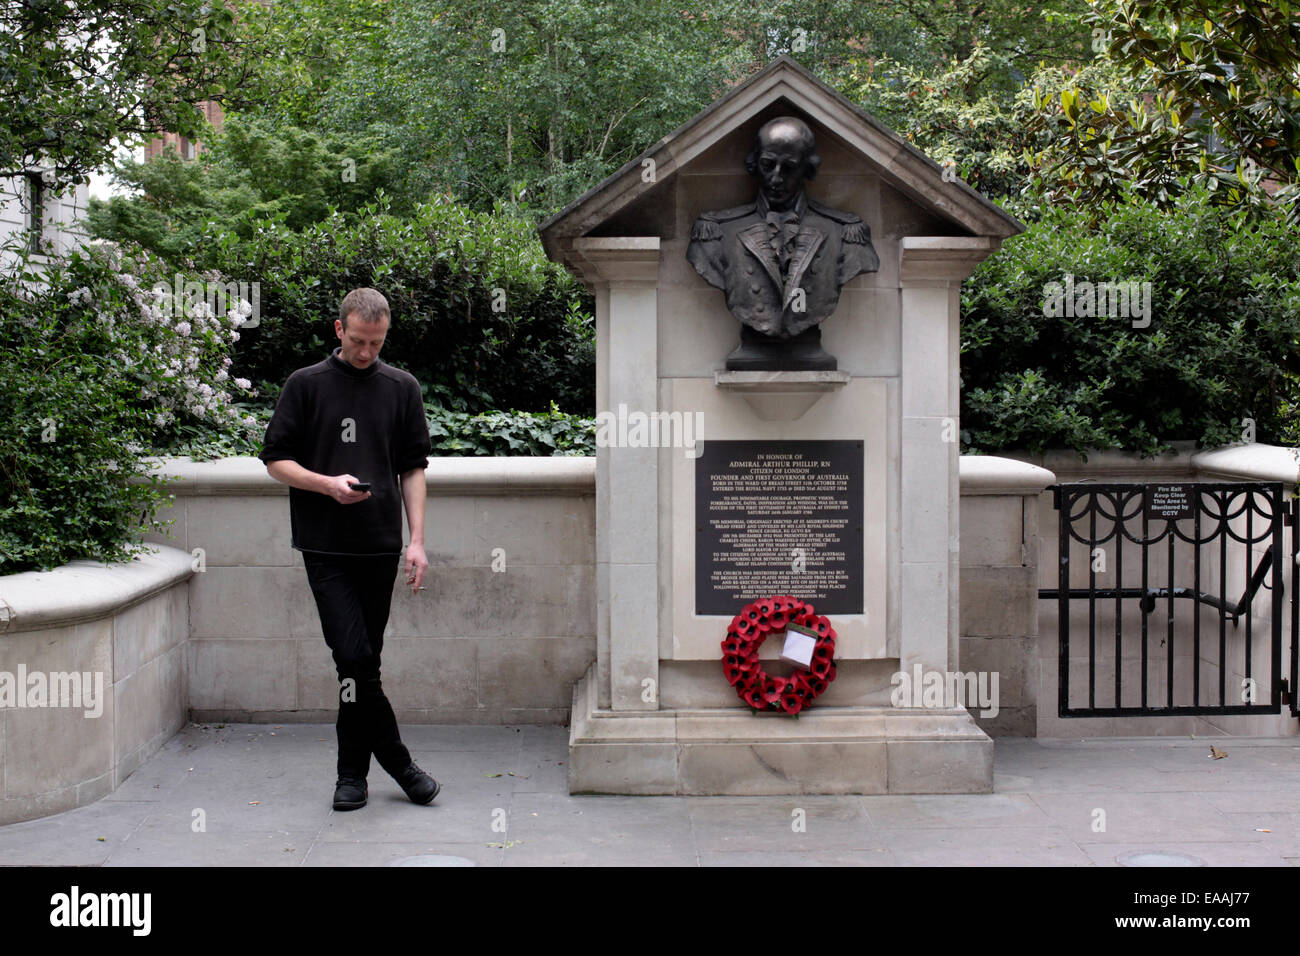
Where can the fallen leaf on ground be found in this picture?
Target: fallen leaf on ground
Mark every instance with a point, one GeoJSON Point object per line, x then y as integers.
{"type": "Point", "coordinates": [1216, 753]}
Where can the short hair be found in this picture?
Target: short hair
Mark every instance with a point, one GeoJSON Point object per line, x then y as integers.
{"type": "Point", "coordinates": [811, 163]}
{"type": "Point", "coordinates": [368, 305]}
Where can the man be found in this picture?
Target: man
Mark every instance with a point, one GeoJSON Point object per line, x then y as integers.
{"type": "Point", "coordinates": [349, 420]}
{"type": "Point", "coordinates": [781, 259]}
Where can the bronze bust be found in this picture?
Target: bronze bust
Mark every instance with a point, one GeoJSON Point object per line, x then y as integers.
{"type": "Point", "coordinates": [783, 258]}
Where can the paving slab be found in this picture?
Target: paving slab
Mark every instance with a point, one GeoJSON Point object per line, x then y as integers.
{"type": "Point", "coordinates": [264, 794]}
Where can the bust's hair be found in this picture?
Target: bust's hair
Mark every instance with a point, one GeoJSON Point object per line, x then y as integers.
{"type": "Point", "coordinates": [368, 305]}
{"type": "Point", "coordinates": [812, 161]}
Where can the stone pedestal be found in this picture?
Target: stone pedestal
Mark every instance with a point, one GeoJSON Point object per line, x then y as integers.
{"type": "Point", "coordinates": [655, 715]}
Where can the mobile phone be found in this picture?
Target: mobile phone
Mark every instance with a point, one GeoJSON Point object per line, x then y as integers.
{"type": "Point", "coordinates": [359, 485]}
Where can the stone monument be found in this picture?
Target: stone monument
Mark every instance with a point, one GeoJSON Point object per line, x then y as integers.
{"type": "Point", "coordinates": [822, 461]}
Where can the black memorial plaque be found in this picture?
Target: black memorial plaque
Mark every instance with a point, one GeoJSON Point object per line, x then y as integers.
{"type": "Point", "coordinates": [779, 517]}
{"type": "Point", "coordinates": [1168, 501]}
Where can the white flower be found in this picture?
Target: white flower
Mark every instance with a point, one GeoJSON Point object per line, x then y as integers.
{"type": "Point", "coordinates": [222, 375]}
{"type": "Point", "coordinates": [205, 390]}
{"type": "Point", "coordinates": [78, 296]}
{"type": "Point", "coordinates": [243, 383]}
{"type": "Point", "coordinates": [191, 363]}
{"type": "Point", "coordinates": [226, 362]}
{"type": "Point", "coordinates": [183, 328]}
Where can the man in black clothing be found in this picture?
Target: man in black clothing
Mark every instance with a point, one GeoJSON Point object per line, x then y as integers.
{"type": "Point", "coordinates": [350, 440]}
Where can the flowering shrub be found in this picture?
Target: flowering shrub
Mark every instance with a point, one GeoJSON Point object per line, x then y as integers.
{"type": "Point", "coordinates": [101, 363]}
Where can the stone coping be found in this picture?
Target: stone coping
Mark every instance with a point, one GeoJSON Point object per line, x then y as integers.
{"type": "Point", "coordinates": [572, 475]}
{"type": "Point", "coordinates": [1243, 462]}
{"type": "Point", "coordinates": [245, 475]}
{"type": "Point", "coordinates": [1253, 462]}
{"type": "Point", "coordinates": [87, 590]}
{"type": "Point", "coordinates": [987, 475]}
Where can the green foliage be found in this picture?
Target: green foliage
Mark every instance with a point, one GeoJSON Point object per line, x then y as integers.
{"type": "Point", "coordinates": [510, 433]}
{"type": "Point", "coordinates": [247, 173]}
{"type": "Point", "coordinates": [95, 372]}
{"type": "Point", "coordinates": [480, 316]}
{"type": "Point", "coordinates": [1222, 344]}
{"type": "Point", "coordinates": [453, 434]}
{"type": "Point", "coordinates": [969, 114]}
{"type": "Point", "coordinates": [534, 101]}
{"type": "Point", "coordinates": [76, 76]}
{"type": "Point", "coordinates": [1198, 93]}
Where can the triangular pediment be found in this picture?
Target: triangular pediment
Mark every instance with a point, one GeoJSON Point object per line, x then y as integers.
{"type": "Point", "coordinates": [629, 195]}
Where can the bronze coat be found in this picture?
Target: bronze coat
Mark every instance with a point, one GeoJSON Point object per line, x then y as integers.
{"type": "Point", "coordinates": [731, 249]}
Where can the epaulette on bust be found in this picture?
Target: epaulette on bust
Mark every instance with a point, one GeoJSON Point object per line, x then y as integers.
{"type": "Point", "coordinates": [858, 232]}
{"type": "Point", "coordinates": [855, 230]}
{"type": "Point", "coordinates": [706, 226]}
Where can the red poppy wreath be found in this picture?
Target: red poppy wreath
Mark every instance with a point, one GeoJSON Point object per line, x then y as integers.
{"type": "Point", "coordinates": [744, 672]}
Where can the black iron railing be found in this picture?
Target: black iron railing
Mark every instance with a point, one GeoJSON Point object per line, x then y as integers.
{"type": "Point", "coordinates": [1199, 529]}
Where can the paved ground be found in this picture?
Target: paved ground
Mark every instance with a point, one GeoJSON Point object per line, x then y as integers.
{"type": "Point", "coordinates": [264, 796]}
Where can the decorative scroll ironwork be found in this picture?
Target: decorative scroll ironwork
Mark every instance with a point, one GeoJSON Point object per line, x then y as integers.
{"type": "Point", "coordinates": [1210, 527]}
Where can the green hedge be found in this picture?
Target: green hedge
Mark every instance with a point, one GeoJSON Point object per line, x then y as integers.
{"type": "Point", "coordinates": [480, 316]}
{"type": "Point", "coordinates": [452, 433]}
{"type": "Point", "coordinates": [1221, 347]}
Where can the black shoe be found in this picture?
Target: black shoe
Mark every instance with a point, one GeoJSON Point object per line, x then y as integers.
{"type": "Point", "coordinates": [349, 794]}
{"type": "Point", "coordinates": [419, 786]}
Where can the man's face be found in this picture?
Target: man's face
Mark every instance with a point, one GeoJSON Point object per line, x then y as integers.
{"type": "Point", "coordinates": [782, 166]}
{"type": "Point", "coordinates": [361, 341]}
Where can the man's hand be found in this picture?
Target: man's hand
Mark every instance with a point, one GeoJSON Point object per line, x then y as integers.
{"type": "Point", "coordinates": [416, 563]}
{"type": "Point", "coordinates": [336, 486]}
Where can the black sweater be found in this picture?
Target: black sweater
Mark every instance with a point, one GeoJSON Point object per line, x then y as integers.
{"type": "Point", "coordinates": [334, 419]}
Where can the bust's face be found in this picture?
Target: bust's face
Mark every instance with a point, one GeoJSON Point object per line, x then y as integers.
{"type": "Point", "coordinates": [782, 165]}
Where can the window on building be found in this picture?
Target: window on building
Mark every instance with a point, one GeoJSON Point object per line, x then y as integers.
{"type": "Point", "coordinates": [36, 201]}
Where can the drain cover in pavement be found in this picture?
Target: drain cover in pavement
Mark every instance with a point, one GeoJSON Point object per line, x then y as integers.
{"type": "Point", "coordinates": [433, 860]}
{"type": "Point", "coordinates": [1157, 858]}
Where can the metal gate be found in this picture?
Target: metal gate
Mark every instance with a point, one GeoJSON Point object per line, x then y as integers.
{"type": "Point", "coordinates": [1162, 635]}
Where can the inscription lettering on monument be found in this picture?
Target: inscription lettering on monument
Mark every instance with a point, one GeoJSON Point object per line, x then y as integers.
{"type": "Point", "coordinates": [779, 517]}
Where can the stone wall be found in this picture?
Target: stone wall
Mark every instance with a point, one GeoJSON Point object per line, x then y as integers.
{"type": "Point", "coordinates": [123, 630]}
{"type": "Point", "coordinates": [999, 587]}
{"type": "Point", "coordinates": [504, 629]}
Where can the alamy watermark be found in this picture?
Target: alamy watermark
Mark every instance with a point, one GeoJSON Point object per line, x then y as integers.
{"type": "Point", "coordinates": [77, 689]}
{"type": "Point", "coordinates": [939, 689]}
{"type": "Point", "coordinates": [657, 429]}
{"type": "Point", "coordinates": [1128, 299]}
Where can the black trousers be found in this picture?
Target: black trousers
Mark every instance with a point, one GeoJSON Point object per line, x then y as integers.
{"type": "Point", "coordinates": [353, 595]}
